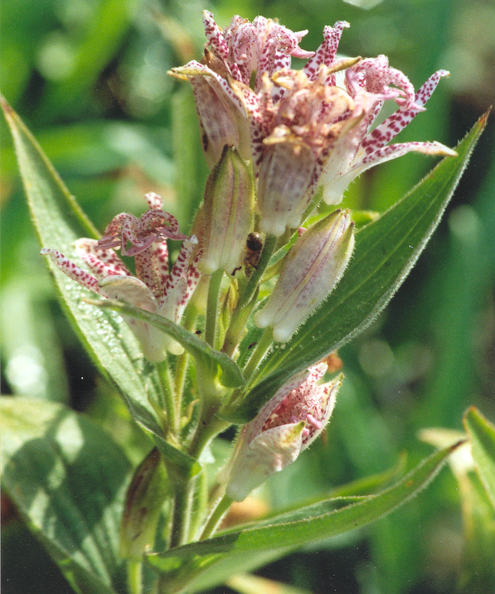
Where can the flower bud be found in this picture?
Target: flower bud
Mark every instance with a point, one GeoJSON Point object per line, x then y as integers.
{"type": "Point", "coordinates": [143, 505]}
{"type": "Point", "coordinates": [311, 270]}
{"type": "Point", "coordinates": [284, 427]}
{"type": "Point", "coordinates": [228, 213]}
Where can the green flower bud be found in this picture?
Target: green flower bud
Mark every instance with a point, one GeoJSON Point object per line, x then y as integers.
{"type": "Point", "coordinates": [228, 213]}
{"type": "Point", "coordinates": [145, 497]}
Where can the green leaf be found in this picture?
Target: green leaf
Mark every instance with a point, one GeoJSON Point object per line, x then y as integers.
{"type": "Point", "coordinates": [211, 561]}
{"type": "Point", "coordinates": [482, 434]}
{"type": "Point", "coordinates": [53, 459]}
{"type": "Point", "coordinates": [205, 356]}
{"type": "Point", "coordinates": [385, 252]}
{"type": "Point", "coordinates": [59, 221]}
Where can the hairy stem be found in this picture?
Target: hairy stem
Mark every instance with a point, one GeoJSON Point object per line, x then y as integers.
{"type": "Point", "coordinates": [169, 401]}
{"type": "Point", "coordinates": [212, 307]}
{"type": "Point", "coordinates": [216, 517]}
{"type": "Point", "coordinates": [259, 352]}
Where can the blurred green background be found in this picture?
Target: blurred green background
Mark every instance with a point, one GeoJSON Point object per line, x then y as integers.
{"type": "Point", "coordinates": [89, 79]}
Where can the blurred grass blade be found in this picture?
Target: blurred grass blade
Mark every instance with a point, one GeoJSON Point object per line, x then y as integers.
{"type": "Point", "coordinates": [98, 44]}
{"type": "Point", "coordinates": [230, 374]}
{"type": "Point", "coordinates": [59, 221]}
{"type": "Point", "coordinates": [482, 434]}
{"type": "Point", "coordinates": [385, 252]}
{"type": "Point", "coordinates": [210, 561]}
{"type": "Point", "coordinates": [52, 459]}
{"type": "Point", "coordinates": [253, 584]}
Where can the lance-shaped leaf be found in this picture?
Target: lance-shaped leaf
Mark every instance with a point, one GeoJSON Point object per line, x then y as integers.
{"type": "Point", "coordinates": [384, 254]}
{"type": "Point", "coordinates": [210, 562]}
{"type": "Point", "coordinates": [52, 459]}
{"type": "Point", "coordinates": [59, 221]}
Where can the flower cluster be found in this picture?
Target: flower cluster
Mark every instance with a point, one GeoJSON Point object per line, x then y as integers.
{"type": "Point", "coordinates": [300, 129]}
{"type": "Point", "coordinates": [272, 136]}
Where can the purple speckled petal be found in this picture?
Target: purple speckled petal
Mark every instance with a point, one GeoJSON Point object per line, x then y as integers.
{"type": "Point", "coordinates": [327, 51]}
{"type": "Point", "coordinates": [73, 271]}
{"type": "Point", "coordinates": [389, 129]}
{"type": "Point", "coordinates": [103, 262]}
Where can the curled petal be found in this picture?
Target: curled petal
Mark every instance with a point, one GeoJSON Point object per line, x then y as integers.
{"type": "Point", "coordinates": [103, 262]}
{"type": "Point", "coordinates": [327, 51]}
{"type": "Point", "coordinates": [333, 191]}
{"type": "Point", "coordinates": [179, 287]}
{"type": "Point", "coordinates": [154, 201]}
{"type": "Point", "coordinates": [395, 123]}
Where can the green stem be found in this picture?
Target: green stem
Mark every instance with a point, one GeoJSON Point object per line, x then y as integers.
{"type": "Point", "coordinates": [212, 307]}
{"type": "Point", "coordinates": [134, 577]}
{"type": "Point", "coordinates": [182, 366]}
{"type": "Point", "coordinates": [180, 377]}
{"type": "Point", "coordinates": [216, 517]}
{"type": "Point", "coordinates": [236, 327]}
{"type": "Point", "coordinates": [169, 401]}
{"type": "Point", "coordinates": [254, 279]}
{"type": "Point", "coordinates": [206, 432]}
{"type": "Point", "coordinates": [259, 352]}
{"type": "Point", "coordinates": [180, 524]}
{"type": "Point", "coordinates": [240, 315]}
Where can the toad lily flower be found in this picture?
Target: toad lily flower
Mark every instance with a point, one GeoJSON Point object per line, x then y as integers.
{"type": "Point", "coordinates": [153, 288]}
{"type": "Point", "coordinates": [284, 427]}
{"type": "Point", "coordinates": [300, 123]}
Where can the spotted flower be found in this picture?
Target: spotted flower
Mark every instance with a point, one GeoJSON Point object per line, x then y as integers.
{"type": "Point", "coordinates": [284, 427]}
{"type": "Point", "coordinates": [302, 129]}
{"type": "Point", "coordinates": [153, 288]}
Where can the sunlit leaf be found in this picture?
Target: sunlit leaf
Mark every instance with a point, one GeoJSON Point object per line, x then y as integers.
{"type": "Point", "coordinates": [52, 461]}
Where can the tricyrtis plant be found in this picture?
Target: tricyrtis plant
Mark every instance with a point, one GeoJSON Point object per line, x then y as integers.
{"type": "Point", "coordinates": [237, 327]}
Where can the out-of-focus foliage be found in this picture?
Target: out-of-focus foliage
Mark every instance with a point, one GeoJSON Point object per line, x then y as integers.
{"type": "Point", "coordinates": [89, 79]}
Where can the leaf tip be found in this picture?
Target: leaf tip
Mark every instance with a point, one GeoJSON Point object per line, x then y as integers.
{"type": "Point", "coordinates": [457, 444]}
{"type": "Point", "coordinates": [4, 104]}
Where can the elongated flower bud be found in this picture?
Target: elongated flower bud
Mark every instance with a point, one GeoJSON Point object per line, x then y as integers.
{"type": "Point", "coordinates": [311, 270]}
{"type": "Point", "coordinates": [145, 497]}
{"type": "Point", "coordinates": [228, 213]}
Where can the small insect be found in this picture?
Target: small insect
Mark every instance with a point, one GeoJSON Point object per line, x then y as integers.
{"type": "Point", "coordinates": [254, 245]}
